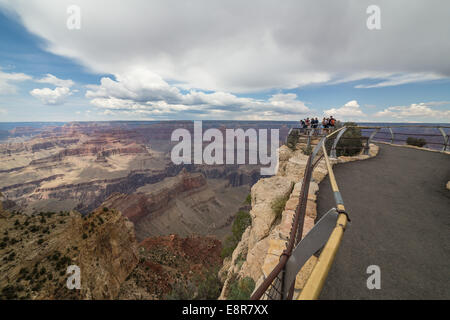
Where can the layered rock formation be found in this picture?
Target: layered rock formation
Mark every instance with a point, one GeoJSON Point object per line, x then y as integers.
{"type": "Point", "coordinates": [78, 166]}
{"type": "Point", "coordinates": [153, 197]}
{"type": "Point", "coordinates": [185, 204]}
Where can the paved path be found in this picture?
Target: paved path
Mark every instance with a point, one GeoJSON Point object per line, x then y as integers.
{"type": "Point", "coordinates": [400, 211]}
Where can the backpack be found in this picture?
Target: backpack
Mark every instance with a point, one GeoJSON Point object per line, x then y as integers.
{"type": "Point", "coordinates": [332, 122]}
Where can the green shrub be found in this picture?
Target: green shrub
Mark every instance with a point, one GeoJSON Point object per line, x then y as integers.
{"type": "Point", "coordinates": [209, 286]}
{"type": "Point", "coordinates": [418, 142]}
{"type": "Point", "coordinates": [228, 247]}
{"type": "Point", "coordinates": [182, 291]}
{"type": "Point", "coordinates": [9, 292]}
{"type": "Point", "coordinates": [11, 256]}
{"type": "Point", "coordinates": [292, 139]}
{"type": "Point", "coordinates": [240, 223]}
{"type": "Point", "coordinates": [350, 143]}
{"type": "Point", "coordinates": [307, 150]}
{"type": "Point", "coordinates": [248, 200]}
{"type": "Point", "coordinates": [241, 289]}
{"type": "Point", "coordinates": [278, 205]}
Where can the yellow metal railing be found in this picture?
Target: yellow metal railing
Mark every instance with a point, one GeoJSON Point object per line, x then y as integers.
{"type": "Point", "coordinates": [316, 280]}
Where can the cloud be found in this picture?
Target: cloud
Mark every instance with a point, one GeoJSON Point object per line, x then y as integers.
{"type": "Point", "coordinates": [55, 96]}
{"type": "Point", "coordinates": [3, 111]}
{"type": "Point", "coordinates": [51, 97]}
{"type": "Point", "coordinates": [51, 79]}
{"type": "Point", "coordinates": [350, 111]}
{"type": "Point", "coordinates": [421, 111]}
{"type": "Point", "coordinates": [142, 92]}
{"type": "Point", "coordinates": [396, 80]}
{"type": "Point", "coordinates": [6, 87]}
{"type": "Point", "coordinates": [249, 46]}
{"type": "Point", "coordinates": [137, 85]}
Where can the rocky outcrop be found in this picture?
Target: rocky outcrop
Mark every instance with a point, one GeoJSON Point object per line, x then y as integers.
{"type": "Point", "coordinates": [169, 262]}
{"type": "Point", "coordinates": [256, 239]}
{"type": "Point", "coordinates": [107, 256]}
{"type": "Point", "coordinates": [38, 249]}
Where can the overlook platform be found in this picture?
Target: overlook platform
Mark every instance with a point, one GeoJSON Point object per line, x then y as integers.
{"type": "Point", "coordinates": [400, 221]}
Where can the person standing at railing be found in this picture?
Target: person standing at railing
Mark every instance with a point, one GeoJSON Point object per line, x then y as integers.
{"type": "Point", "coordinates": [326, 125]}
{"type": "Point", "coordinates": [315, 125]}
{"type": "Point", "coordinates": [302, 125]}
{"type": "Point", "coordinates": [323, 126]}
{"type": "Point", "coordinates": [332, 122]}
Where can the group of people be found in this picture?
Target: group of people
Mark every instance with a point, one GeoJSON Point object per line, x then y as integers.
{"type": "Point", "coordinates": [313, 123]}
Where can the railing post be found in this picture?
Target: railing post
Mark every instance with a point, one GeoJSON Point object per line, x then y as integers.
{"type": "Point", "coordinates": [372, 135]}
{"type": "Point", "coordinates": [309, 138]}
{"type": "Point", "coordinates": [333, 148]}
{"type": "Point", "coordinates": [392, 135]}
{"type": "Point", "coordinates": [446, 139]}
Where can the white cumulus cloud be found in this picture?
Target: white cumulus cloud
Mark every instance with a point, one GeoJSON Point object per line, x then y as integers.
{"type": "Point", "coordinates": [416, 111]}
{"type": "Point", "coordinates": [51, 97]}
{"type": "Point", "coordinates": [51, 79]}
{"type": "Point", "coordinates": [143, 92]}
{"type": "Point", "coordinates": [7, 80]}
{"type": "Point", "coordinates": [349, 111]}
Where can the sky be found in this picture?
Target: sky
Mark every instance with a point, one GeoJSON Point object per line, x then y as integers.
{"type": "Point", "coordinates": [230, 60]}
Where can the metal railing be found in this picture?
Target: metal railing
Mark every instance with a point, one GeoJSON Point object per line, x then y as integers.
{"type": "Point", "coordinates": [279, 284]}
{"type": "Point", "coordinates": [431, 134]}
{"type": "Point", "coordinates": [327, 233]}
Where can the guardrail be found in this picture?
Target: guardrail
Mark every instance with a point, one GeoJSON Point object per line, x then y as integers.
{"type": "Point", "coordinates": [327, 233]}
{"type": "Point", "coordinates": [279, 284]}
{"type": "Point", "coordinates": [387, 134]}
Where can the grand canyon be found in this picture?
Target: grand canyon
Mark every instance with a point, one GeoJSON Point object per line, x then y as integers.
{"type": "Point", "coordinates": [60, 182]}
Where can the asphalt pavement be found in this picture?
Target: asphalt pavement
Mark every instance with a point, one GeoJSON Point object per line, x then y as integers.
{"type": "Point", "coordinates": [400, 212]}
